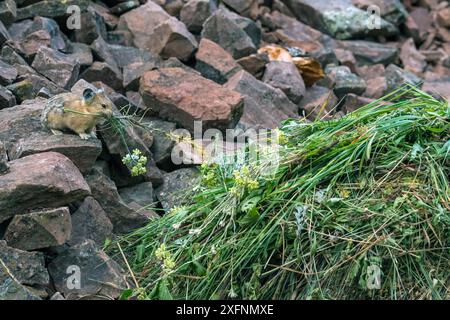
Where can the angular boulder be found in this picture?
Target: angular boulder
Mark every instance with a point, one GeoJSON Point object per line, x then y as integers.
{"type": "Point", "coordinates": [195, 12]}
{"type": "Point", "coordinates": [176, 187]}
{"type": "Point", "coordinates": [11, 289]}
{"type": "Point", "coordinates": [123, 217]}
{"type": "Point", "coordinates": [58, 67]}
{"type": "Point", "coordinates": [264, 105]}
{"type": "Point", "coordinates": [184, 97]}
{"type": "Point", "coordinates": [286, 77]}
{"type": "Point", "coordinates": [90, 222]}
{"type": "Point", "coordinates": [232, 32]}
{"type": "Point", "coordinates": [39, 229]}
{"type": "Point", "coordinates": [82, 153]}
{"type": "Point", "coordinates": [47, 179]}
{"type": "Point", "coordinates": [340, 19]}
{"type": "Point", "coordinates": [27, 267]}
{"type": "Point", "coordinates": [99, 275]}
{"type": "Point", "coordinates": [155, 30]}
{"type": "Point", "coordinates": [315, 99]}
{"type": "Point", "coordinates": [368, 52]}
{"type": "Point", "coordinates": [215, 63]}
{"type": "Point", "coordinates": [50, 8]}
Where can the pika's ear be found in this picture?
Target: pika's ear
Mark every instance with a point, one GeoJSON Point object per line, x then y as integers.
{"type": "Point", "coordinates": [88, 95]}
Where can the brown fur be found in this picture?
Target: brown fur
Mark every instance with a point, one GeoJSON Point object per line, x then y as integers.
{"type": "Point", "coordinates": [70, 111]}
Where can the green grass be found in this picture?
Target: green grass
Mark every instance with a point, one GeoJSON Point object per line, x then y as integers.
{"type": "Point", "coordinates": [370, 190]}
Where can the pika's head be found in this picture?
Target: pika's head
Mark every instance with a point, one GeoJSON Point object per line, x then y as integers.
{"type": "Point", "coordinates": [98, 102]}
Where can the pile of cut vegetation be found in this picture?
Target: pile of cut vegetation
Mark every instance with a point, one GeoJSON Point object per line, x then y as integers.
{"type": "Point", "coordinates": [358, 208]}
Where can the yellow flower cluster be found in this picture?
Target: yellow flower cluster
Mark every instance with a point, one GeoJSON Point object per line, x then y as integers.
{"type": "Point", "coordinates": [243, 181]}
{"type": "Point", "coordinates": [165, 257]}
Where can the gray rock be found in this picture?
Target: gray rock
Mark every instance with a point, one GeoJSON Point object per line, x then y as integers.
{"type": "Point", "coordinates": [11, 289]}
{"type": "Point", "coordinates": [3, 159]}
{"type": "Point", "coordinates": [176, 187]}
{"type": "Point", "coordinates": [125, 6]}
{"type": "Point", "coordinates": [315, 99]}
{"type": "Point", "coordinates": [341, 19]}
{"type": "Point", "coordinates": [27, 267]}
{"type": "Point", "coordinates": [50, 177]}
{"type": "Point", "coordinates": [8, 12]}
{"type": "Point", "coordinates": [367, 53]}
{"type": "Point", "coordinates": [243, 7]}
{"type": "Point", "coordinates": [104, 52]}
{"type": "Point", "coordinates": [264, 105]}
{"type": "Point", "coordinates": [396, 77]}
{"type": "Point", "coordinates": [124, 55]}
{"type": "Point", "coordinates": [195, 12]}
{"type": "Point", "coordinates": [7, 98]}
{"type": "Point", "coordinates": [392, 11]}
{"type": "Point", "coordinates": [50, 8]}
{"type": "Point", "coordinates": [39, 229]}
{"type": "Point", "coordinates": [58, 67]}
{"type": "Point", "coordinates": [123, 218]}
{"type": "Point", "coordinates": [141, 193]}
{"type": "Point", "coordinates": [28, 86]}
{"type": "Point", "coordinates": [57, 296]}
{"type": "Point", "coordinates": [17, 122]}
{"type": "Point", "coordinates": [92, 27]}
{"type": "Point", "coordinates": [215, 63]}
{"type": "Point", "coordinates": [102, 71]}
{"type": "Point", "coordinates": [82, 153]}
{"type": "Point", "coordinates": [4, 35]}
{"type": "Point", "coordinates": [82, 53]}
{"type": "Point", "coordinates": [344, 81]}
{"type": "Point", "coordinates": [90, 222]}
{"type": "Point", "coordinates": [286, 77]}
{"type": "Point", "coordinates": [231, 32]}
{"type": "Point", "coordinates": [100, 276]}
{"type": "Point", "coordinates": [162, 144]}
{"type": "Point", "coordinates": [8, 73]}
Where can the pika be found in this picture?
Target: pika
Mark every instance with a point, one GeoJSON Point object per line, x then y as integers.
{"type": "Point", "coordinates": [78, 114]}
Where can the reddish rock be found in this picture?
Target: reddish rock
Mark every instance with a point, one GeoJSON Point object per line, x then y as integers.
{"type": "Point", "coordinates": [58, 67]}
{"type": "Point", "coordinates": [51, 178]}
{"type": "Point", "coordinates": [411, 58]}
{"type": "Point", "coordinates": [215, 63]}
{"type": "Point", "coordinates": [41, 229]}
{"type": "Point", "coordinates": [155, 30]}
{"type": "Point", "coordinates": [346, 58]}
{"type": "Point", "coordinates": [255, 64]}
{"type": "Point", "coordinates": [172, 39]}
{"type": "Point", "coordinates": [367, 52]}
{"type": "Point", "coordinates": [185, 97]}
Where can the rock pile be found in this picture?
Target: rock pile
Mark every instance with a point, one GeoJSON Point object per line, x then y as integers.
{"type": "Point", "coordinates": [176, 61]}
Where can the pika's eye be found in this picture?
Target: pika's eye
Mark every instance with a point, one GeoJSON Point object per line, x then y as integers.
{"type": "Point", "coordinates": [104, 106]}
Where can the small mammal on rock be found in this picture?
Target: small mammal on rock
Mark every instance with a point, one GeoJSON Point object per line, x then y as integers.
{"type": "Point", "coordinates": [68, 111]}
